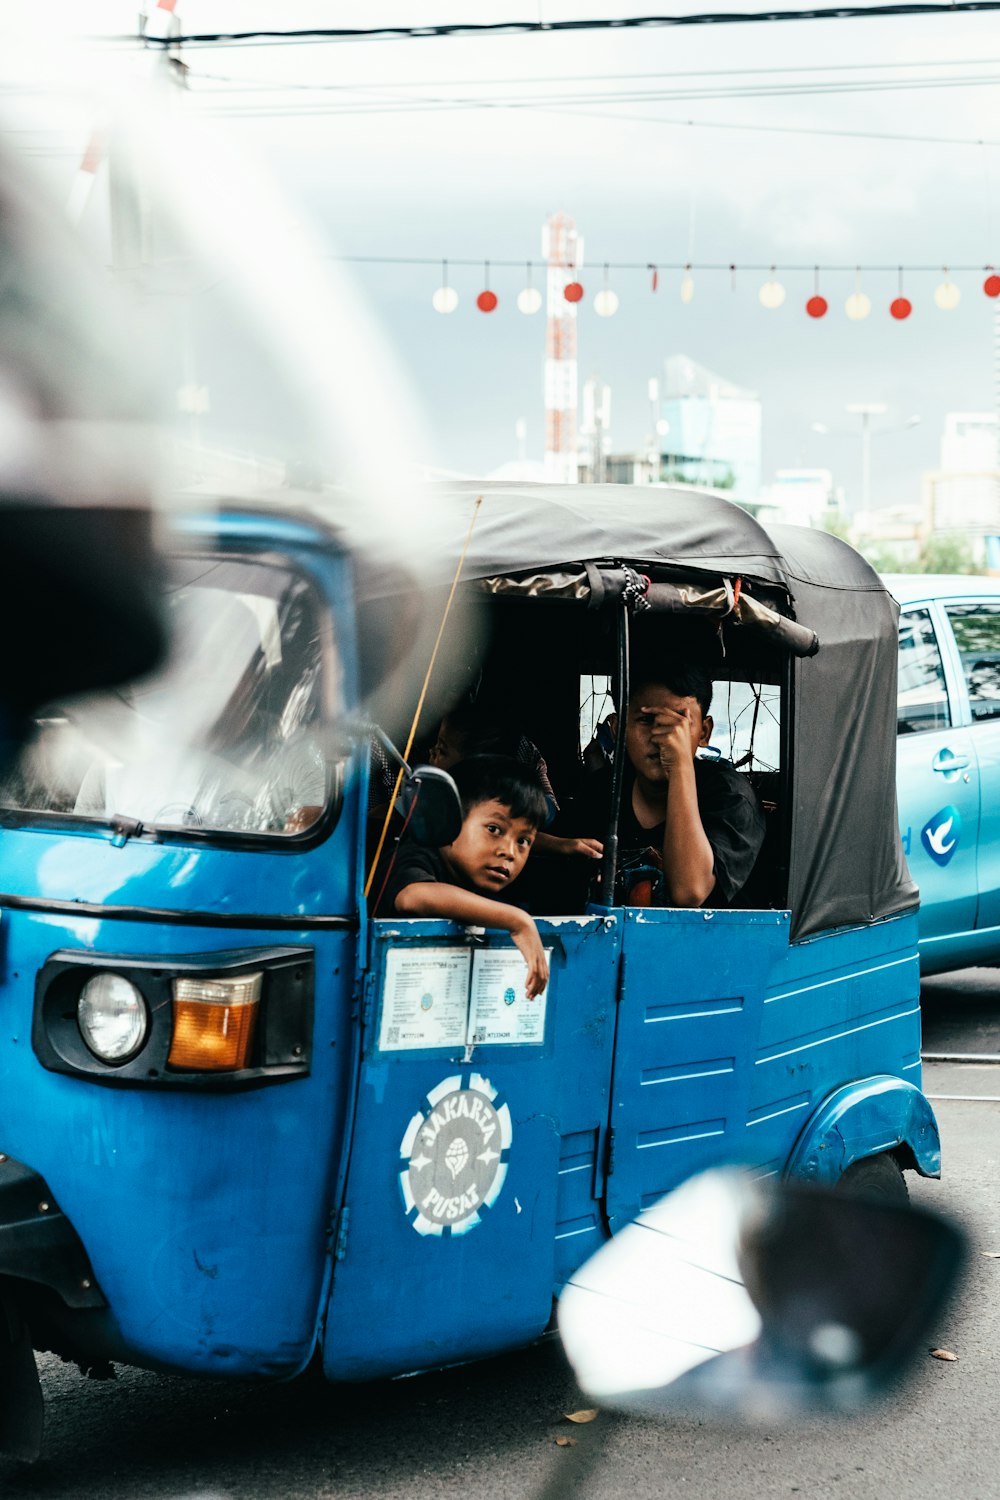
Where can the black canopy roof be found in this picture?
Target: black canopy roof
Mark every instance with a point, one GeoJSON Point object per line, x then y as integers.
{"type": "Point", "coordinates": [528, 526]}
{"type": "Point", "coordinates": [847, 864]}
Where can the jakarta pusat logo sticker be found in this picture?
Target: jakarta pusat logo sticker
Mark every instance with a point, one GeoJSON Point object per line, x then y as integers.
{"type": "Point", "coordinates": [453, 1157]}
{"type": "Point", "coordinates": [941, 833]}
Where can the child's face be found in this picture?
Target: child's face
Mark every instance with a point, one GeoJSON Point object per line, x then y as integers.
{"type": "Point", "coordinates": [639, 743]}
{"type": "Point", "coordinates": [448, 749]}
{"type": "Point", "coordinates": [492, 847]}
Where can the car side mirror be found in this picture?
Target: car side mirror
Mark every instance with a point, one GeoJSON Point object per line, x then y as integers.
{"type": "Point", "coordinates": [432, 806]}
{"type": "Point", "coordinates": [757, 1299]}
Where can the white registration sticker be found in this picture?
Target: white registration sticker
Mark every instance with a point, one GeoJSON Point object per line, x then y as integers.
{"type": "Point", "coordinates": [499, 1010]}
{"type": "Point", "coordinates": [425, 998]}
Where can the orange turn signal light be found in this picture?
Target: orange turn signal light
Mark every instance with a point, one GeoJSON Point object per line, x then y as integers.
{"type": "Point", "coordinates": [214, 1022]}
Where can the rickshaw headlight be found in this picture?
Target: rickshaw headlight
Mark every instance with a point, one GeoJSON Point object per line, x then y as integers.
{"type": "Point", "coordinates": [214, 1023]}
{"type": "Point", "coordinates": [112, 1017]}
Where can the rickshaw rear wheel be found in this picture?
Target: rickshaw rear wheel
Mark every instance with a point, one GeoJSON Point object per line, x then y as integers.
{"type": "Point", "coordinates": [877, 1177]}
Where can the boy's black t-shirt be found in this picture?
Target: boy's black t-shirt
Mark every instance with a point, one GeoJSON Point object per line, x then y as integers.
{"type": "Point", "coordinates": [731, 816]}
{"type": "Point", "coordinates": [414, 862]}
{"type": "Point", "coordinates": [418, 862]}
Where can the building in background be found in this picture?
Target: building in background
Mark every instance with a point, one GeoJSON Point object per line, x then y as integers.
{"type": "Point", "coordinates": [595, 432]}
{"type": "Point", "coordinates": [891, 536]}
{"type": "Point", "coordinates": [962, 497]}
{"type": "Point", "coordinates": [562, 248]}
{"type": "Point", "coordinates": [709, 431]}
{"type": "Point", "coordinates": [801, 497]}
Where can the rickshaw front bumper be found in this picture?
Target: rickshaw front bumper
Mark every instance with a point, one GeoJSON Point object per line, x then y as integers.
{"type": "Point", "coordinates": [38, 1244]}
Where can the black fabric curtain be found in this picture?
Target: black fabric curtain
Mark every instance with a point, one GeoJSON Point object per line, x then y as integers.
{"type": "Point", "coordinates": [847, 863]}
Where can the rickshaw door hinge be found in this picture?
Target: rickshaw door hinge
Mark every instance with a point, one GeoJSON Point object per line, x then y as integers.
{"type": "Point", "coordinates": [340, 1247]}
{"type": "Point", "coordinates": [123, 829]}
{"type": "Point", "coordinates": [609, 1152]}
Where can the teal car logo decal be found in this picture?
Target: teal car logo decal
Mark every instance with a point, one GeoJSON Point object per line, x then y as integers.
{"type": "Point", "coordinates": [941, 833]}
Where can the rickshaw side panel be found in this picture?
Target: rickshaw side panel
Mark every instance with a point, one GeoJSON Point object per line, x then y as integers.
{"type": "Point", "coordinates": [841, 1008]}
{"type": "Point", "coordinates": [204, 1213]}
{"type": "Point", "coordinates": [692, 997]}
{"type": "Point", "coordinates": [439, 1289]}
{"type": "Point", "coordinates": [730, 1038]}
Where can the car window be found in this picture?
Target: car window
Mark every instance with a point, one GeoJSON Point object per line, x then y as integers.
{"type": "Point", "coordinates": [977, 635]}
{"type": "Point", "coordinates": [922, 697]}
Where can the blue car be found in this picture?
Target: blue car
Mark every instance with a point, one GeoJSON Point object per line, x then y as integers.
{"type": "Point", "coordinates": [948, 762]}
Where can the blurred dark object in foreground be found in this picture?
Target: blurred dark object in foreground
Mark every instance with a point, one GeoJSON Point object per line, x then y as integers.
{"type": "Point", "coordinates": [79, 577]}
{"type": "Point", "coordinates": [758, 1299]}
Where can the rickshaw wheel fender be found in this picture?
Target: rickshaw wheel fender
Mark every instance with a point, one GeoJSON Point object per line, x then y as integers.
{"type": "Point", "coordinates": [866, 1119]}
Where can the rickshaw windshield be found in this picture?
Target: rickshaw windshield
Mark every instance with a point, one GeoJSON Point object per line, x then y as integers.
{"type": "Point", "coordinates": [225, 738]}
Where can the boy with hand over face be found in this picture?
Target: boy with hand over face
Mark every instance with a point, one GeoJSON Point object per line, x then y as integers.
{"type": "Point", "coordinates": [467, 881]}
{"type": "Point", "coordinates": [696, 821]}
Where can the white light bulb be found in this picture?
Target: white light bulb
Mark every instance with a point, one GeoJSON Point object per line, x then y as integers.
{"type": "Point", "coordinates": [445, 299]}
{"type": "Point", "coordinates": [857, 306]}
{"type": "Point", "coordinates": [947, 296]}
{"type": "Point", "coordinates": [771, 294]}
{"type": "Point", "coordinates": [687, 289]}
{"type": "Point", "coordinates": [529, 300]}
{"type": "Point", "coordinates": [606, 303]}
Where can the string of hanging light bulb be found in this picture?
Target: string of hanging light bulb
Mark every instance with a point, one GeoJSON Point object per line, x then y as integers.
{"type": "Point", "coordinates": [772, 293]}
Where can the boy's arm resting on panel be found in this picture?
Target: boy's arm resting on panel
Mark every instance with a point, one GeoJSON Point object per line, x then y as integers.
{"type": "Point", "coordinates": [418, 890]}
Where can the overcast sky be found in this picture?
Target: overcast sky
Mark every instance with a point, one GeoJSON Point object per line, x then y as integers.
{"type": "Point", "coordinates": [857, 176]}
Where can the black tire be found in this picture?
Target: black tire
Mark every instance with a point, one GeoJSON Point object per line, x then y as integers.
{"type": "Point", "coordinates": [876, 1177]}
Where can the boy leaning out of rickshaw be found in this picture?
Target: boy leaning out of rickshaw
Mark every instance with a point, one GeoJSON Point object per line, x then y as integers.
{"type": "Point", "coordinates": [503, 807]}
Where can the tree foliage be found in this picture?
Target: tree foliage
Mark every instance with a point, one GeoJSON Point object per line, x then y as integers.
{"type": "Point", "coordinates": [947, 552]}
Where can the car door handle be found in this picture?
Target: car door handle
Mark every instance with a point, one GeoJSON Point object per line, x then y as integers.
{"type": "Point", "coordinates": [946, 761]}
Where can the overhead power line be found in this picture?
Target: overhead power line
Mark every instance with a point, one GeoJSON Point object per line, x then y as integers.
{"type": "Point", "coordinates": [251, 113]}
{"type": "Point", "coordinates": [742, 126]}
{"type": "Point", "coordinates": [337, 102]}
{"type": "Point", "coordinates": [533, 79]}
{"type": "Point", "coordinates": [428, 104]}
{"type": "Point", "coordinates": [607, 23]}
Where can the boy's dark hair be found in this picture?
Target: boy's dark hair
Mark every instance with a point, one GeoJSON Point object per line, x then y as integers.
{"type": "Point", "coordinates": [682, 681]}
{"type": "Point", "coordinates": [500, 778]}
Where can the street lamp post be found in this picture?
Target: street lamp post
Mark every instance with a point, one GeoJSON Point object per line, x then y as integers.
{"type": "Point", "coordinates": [866, 410]}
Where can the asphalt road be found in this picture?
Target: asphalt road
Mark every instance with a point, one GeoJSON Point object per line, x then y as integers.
{"type": "Point", "coordinates": [491, 1430]}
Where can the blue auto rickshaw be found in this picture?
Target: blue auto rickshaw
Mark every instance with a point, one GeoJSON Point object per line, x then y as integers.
{"type": "Point", "coordinates": [249, 1123]}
